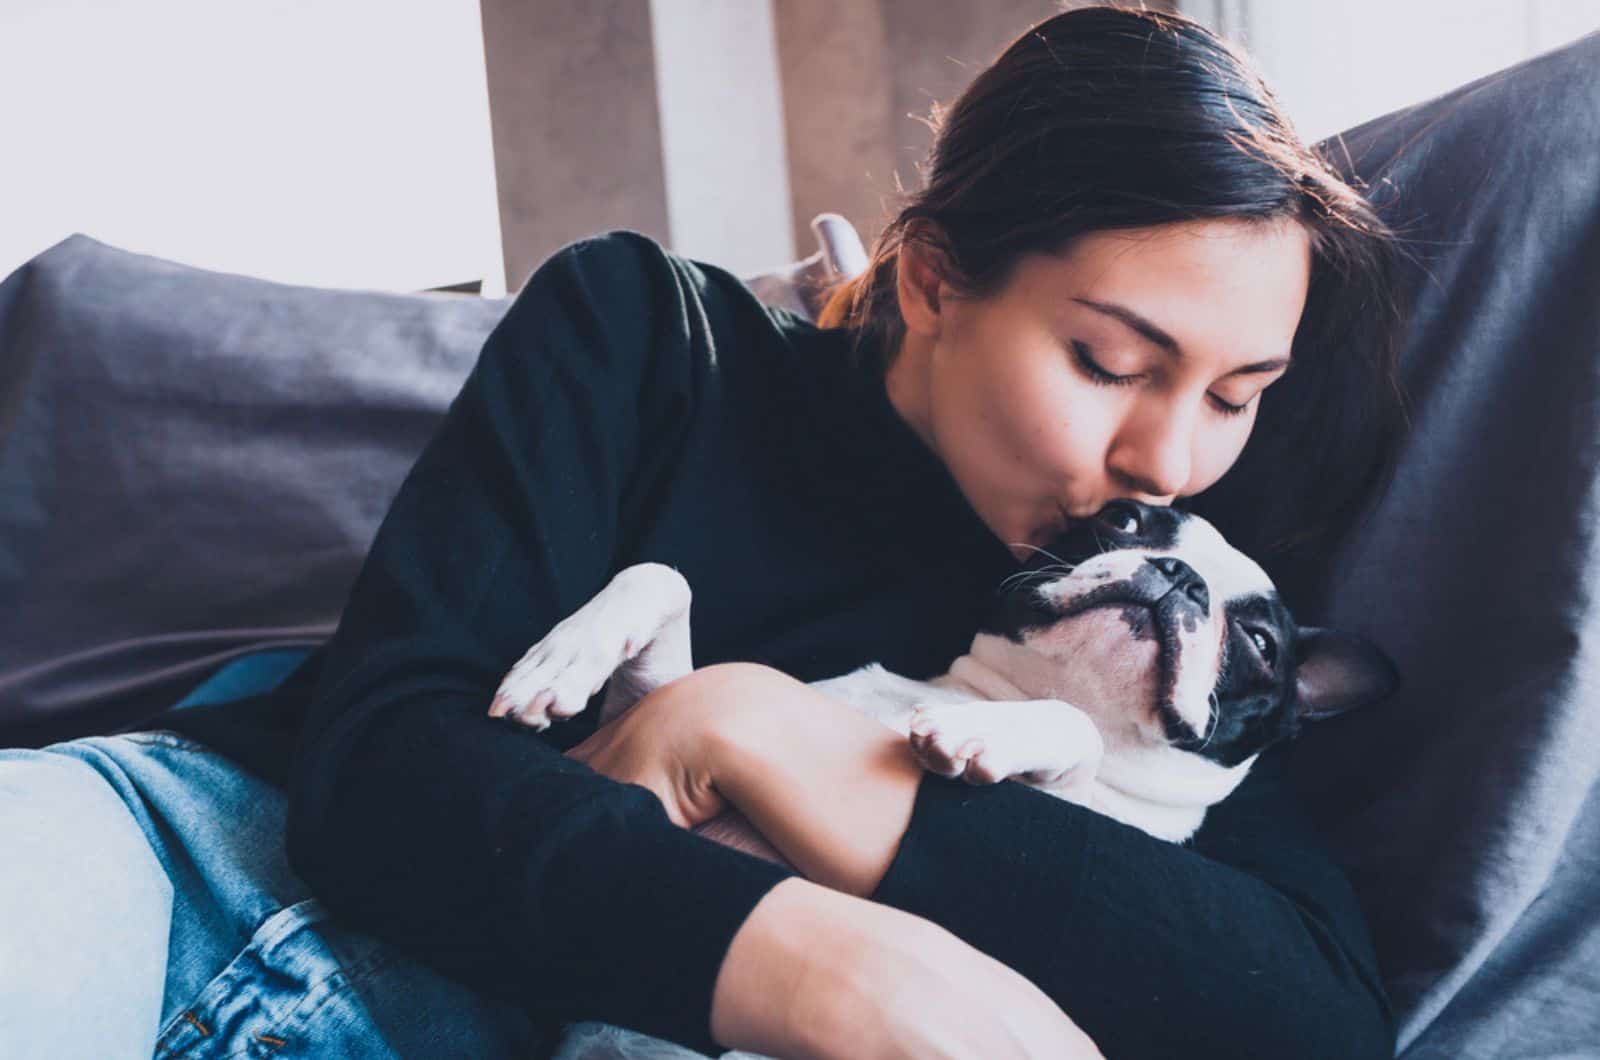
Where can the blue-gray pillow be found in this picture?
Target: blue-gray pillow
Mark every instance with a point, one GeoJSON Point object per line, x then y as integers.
{"type": "Point", "coordinates": [192, 466]}
{"type": "Point", "coordinates": [1467, 808]}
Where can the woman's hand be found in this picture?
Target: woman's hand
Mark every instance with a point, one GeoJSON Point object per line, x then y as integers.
{"type": "Point", "coordinates": [862, 981]}
{"type": "Point", "coordinates": [666, 742]}
{"type": "Point", "coordinates": [830, 788]}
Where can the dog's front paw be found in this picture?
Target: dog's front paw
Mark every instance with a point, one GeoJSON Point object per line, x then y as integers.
{"type": "Point", "coordinates": [1042, 742]}
{"type": "Point", "coordinates": [953, 740]}
{"type": "Point", "coordinates": [559, 674]}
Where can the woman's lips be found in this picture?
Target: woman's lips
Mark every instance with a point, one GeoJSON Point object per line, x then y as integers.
{"type": "Point", "coordinates": [1051, 530]}
{"type": "Point", "coordinates": [1063, 522]}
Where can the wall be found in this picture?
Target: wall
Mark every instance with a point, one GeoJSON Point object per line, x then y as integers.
{"type": "Point", "coordinates": [721, 113]}
{"type": "Point", "coordinates": [577, 132]}
{"type": "Point", "coordinates": [1336, 65]}
{"type": "Point", "coordinates": [336, 144]}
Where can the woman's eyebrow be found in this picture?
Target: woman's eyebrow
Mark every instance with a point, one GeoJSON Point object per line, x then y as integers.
{"type": "Point", "coordinates": [1165, 341]}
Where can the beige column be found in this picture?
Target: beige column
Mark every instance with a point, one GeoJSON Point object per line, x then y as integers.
{"type": "Point", "coordinates": [577, 135]}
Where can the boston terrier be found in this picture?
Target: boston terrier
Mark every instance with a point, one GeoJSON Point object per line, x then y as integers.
{"type": "Point", "coordinates": [1136, 667]}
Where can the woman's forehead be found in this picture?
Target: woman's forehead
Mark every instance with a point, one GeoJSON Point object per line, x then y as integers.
{"type": "Point", "coordinates": [1192, 252]}
{"type": "Point", "coordinates": [1177, 286]}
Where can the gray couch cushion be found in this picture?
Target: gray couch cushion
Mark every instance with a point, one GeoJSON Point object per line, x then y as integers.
{"type": "Point", "coordinates": [192, 465]}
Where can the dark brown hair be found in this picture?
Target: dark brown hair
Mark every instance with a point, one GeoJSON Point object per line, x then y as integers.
{"type": "Point", "coordinates": [1106, 118]}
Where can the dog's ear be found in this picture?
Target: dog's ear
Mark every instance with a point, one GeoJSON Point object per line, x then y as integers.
{"type": "Point", "coordinates": [1336, 672]}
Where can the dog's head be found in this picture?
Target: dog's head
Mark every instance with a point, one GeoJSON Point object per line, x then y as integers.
{"type": "Point", "coordinates": [1148, 619]}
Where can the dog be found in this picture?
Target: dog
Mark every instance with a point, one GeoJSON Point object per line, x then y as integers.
{"type": "Point", "coordinates": [1137, 667]}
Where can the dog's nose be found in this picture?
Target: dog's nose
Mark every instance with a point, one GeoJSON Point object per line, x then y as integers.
{"type": "Point", "coordinates": [1184, 579]}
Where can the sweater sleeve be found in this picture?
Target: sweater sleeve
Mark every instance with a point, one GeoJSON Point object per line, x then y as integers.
{"type": "Point", "coordinates": [471, 841]}
{"type": "Point", "coordinates": [1247, 943]}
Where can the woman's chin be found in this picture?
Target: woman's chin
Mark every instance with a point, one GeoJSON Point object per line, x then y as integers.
{"type": "Point", "coordinates": [1051, 531]}
{"type": "Point", "coordinates": [1036, 540]}
{"type": "Point", "coordinates": [1025, 539]}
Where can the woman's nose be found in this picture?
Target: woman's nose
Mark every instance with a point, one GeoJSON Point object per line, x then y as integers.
{"type": "Point", "coordinates": [1153, 457]}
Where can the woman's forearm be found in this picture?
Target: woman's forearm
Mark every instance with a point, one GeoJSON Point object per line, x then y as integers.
{"type": "Point", "coordinates": [1254, 914]}
{"type": "Point", "coordinates": [829, 787]}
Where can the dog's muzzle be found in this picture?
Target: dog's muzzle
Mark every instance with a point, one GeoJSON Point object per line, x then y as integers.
{"type": "Point", "coordinates": [1165, 584]}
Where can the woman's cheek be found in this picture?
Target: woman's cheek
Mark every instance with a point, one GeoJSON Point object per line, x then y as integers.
{"type": "Point", "coordinates": [1216, 454]}
{"type": "Point", "coordinates": [1077, 433]}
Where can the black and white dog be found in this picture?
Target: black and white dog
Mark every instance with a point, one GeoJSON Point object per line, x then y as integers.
{"type": "Point", "coordinates": [1137, 668]}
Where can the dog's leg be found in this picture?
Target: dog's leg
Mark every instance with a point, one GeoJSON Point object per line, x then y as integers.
{"type": "Point", "coordinates": [635, 633]}
{"type": "Point", "coordinates": [1038, 741]}
{"type": "Point", "coordinates": [665, 657]}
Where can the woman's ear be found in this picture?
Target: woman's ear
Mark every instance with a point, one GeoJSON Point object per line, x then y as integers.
{"type": "Point", "coordinates": [918, 274]}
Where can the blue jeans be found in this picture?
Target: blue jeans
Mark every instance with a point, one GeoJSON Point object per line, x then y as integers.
{"type": "Point", "coordinates": [147, 909]}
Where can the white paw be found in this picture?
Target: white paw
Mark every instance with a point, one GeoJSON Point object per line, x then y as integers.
{"type": "Point", "coordinates": [557, 676]}
{"type": "Point", "coordinates": [958, 740]}
{"type": "Point", "coordinates": [1038, 741]}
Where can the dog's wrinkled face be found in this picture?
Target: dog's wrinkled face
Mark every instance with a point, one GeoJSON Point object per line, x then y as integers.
{"type": "Point", "coordinates": [1148, 619]}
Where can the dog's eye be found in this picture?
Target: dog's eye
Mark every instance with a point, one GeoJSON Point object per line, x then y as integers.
{"type": "Point", "coordinates": [1121, 517]}
{"type": "Point", "coordinates": [1264, 645]}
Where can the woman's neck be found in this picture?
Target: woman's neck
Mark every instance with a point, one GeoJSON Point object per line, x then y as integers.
{"type": "Point", "coordinates": [906, 381]}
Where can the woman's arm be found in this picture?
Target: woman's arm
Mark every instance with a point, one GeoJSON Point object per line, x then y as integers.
{"type": "Point", "coordinates": [831, 788]}
{"type": "Point", "coordinates": [1248, 944]}
{"type": "Point", "coordinates": [466, 840]}
{"type": "Point", "coordinates": [814, 972]}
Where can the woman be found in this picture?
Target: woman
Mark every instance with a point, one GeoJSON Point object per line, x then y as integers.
{"type": "Point", "coordinates": [1119, 243]}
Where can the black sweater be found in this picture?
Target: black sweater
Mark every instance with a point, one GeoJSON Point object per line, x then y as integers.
{"type": "Point", "coordinates": [634, 405]}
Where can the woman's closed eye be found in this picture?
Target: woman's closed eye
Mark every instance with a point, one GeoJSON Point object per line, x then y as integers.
{"type": "Point", "coordinates": [1080, 353]}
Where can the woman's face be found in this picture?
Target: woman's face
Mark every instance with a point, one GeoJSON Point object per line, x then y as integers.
{"type": "Point", "coordinates": [1004, 389]}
